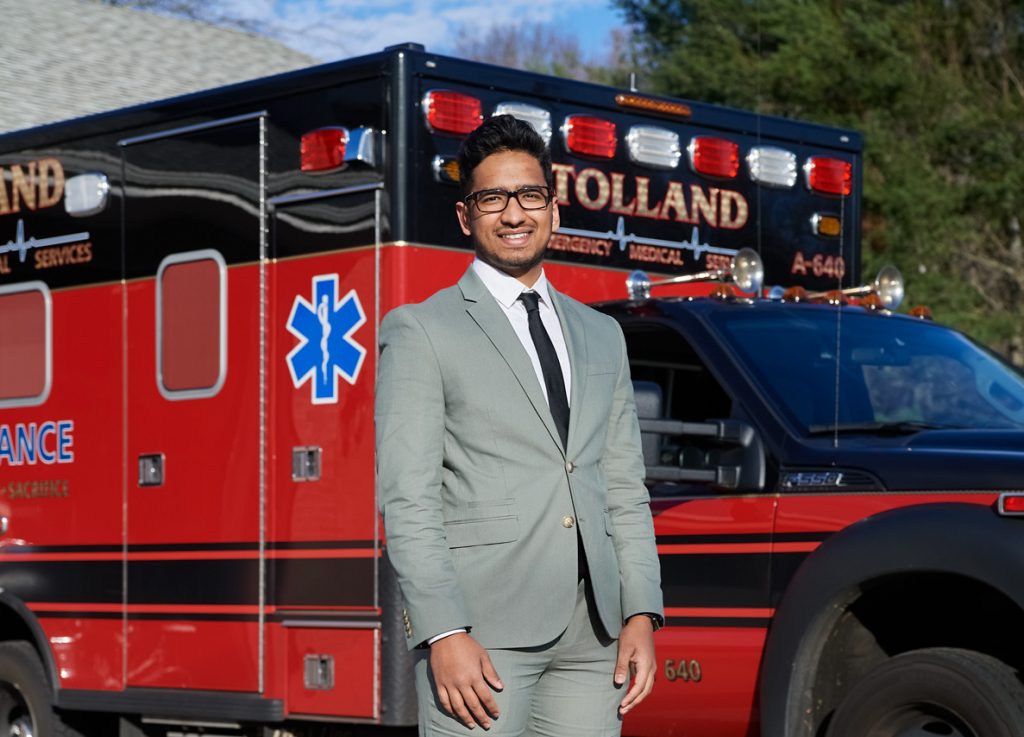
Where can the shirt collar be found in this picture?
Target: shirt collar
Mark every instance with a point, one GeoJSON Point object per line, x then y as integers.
{"type": "Point", "coordinates": [506, 289]}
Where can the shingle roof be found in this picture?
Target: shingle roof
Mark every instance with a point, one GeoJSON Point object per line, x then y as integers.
{"type": "Point", "coordinates": [66, 58]}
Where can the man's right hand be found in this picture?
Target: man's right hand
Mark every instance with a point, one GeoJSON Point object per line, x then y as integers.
{"type": "Point", "coordinates": [464, 677]}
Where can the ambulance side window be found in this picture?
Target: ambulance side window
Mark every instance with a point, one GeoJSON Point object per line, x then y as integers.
{"type": "Point", "coordinates": [191, 325]}
{"type": "Point", "coordinates": [685, 390]}
{"type": "Point", "coordinates": [26, 344]}
{"type": "Point", "coordinates": [689, 390]}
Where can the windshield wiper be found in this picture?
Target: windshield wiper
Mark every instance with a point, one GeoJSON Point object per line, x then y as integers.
{"type": "Point", "coordinates": [905, 427]}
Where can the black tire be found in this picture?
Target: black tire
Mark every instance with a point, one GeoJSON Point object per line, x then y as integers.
{"type": "Point", "coordinates": [26, 701]}
{"type": "Point", "coordinates": [937, 691]}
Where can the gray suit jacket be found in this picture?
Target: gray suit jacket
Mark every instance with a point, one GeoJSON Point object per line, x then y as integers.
{"type": "Point", "coordinates": [474, 486]}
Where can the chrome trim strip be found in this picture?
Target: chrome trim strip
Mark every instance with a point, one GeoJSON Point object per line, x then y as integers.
{"type": "Point", "coordinates": [264, 227]}
{"type": "Point", "coordinates": [287, 199]}
{"type": "Point", "coordinates": [191, 128]}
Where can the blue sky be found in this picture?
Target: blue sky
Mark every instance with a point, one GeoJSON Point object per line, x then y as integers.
{"type": "Point", "coordinates": [333, 29]}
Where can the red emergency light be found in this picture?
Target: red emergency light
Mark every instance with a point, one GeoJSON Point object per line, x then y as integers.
{"type": "Point", "coordinates": [831, 176]}
{"type": "Point", "coordinates": [590, 136]}
{"type": "Point", "coordinates": [323, 149]}
{"type": "Point", "coordinates": [715, 157]}
{"type": "Point", "coordinates": [1011, 504]}
{"type": "Point", "coordinates": [451, 112]}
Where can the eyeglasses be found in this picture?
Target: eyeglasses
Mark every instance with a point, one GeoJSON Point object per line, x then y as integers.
{"type": "Point", "coordinates": [496, 200]}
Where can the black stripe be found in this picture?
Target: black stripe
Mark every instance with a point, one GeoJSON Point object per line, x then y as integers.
{"type": "Point", "coordinates": [750, 537]}
{"type": "Point", "coordinates": [78, 615]}
{"type": "Point", "coordinates": [784, 567]}
{"type": "Point", "coordinates": [717, 621]}
{"type": "Point", "coordinates": [22, 549]}
{"type": "Point", "coordinates": [298, 582]}
{"type": "Point", "coordinates": [93, 581]}
{"type": "Point", "coordinates": [323, 545]}
{"type": "Point", "coordinates": [726, 580]}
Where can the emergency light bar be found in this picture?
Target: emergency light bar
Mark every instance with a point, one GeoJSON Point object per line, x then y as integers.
{"type": "Point", "coordinates": [451, 112]}
{"type": "Point", "coordinates": [538, 117]}
{"type": "Point", "coordinates": [830, 176]}
{"type": "Point", "coordinates": [715, 157]}
{"type": "Point", "coordinates": [774, 167]}
{"type": "Point", "coordinates": [590, 136]}
{"type": "Point", "coordinates": [653, 146]}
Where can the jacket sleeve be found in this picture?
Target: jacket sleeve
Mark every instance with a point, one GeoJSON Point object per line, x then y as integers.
{"type": "Point", "coordinates": [629, 508]}
{"type": "Point", "coordinates": [409, 414]}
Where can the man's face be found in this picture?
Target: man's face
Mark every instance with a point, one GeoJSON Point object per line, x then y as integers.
{"type": "Point", "coordinates": [513, 240]}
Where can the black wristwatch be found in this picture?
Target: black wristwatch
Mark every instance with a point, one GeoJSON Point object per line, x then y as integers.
{"type": "Point", "coordinates": [655, 620]}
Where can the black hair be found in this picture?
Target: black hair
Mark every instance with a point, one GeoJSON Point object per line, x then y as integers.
{"type": "Point", "coordinates": [498, 134]}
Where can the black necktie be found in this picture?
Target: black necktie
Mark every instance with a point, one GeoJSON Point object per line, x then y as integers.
{"type": "Point", "coordinates": [558, 403]}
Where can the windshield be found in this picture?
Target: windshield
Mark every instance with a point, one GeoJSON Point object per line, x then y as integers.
{"type": "Point", "coordinates": [893, 375]}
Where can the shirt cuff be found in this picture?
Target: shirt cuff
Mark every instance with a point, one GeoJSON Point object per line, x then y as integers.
{"type": "Point", "coordinates": [443, 635]}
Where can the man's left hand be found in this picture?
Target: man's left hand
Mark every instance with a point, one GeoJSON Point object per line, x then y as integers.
{"type": "Point", "coordinates": [636, 655]}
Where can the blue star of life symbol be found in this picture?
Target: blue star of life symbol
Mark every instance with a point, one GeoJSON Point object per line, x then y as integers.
{"type": "Point", "coordinates": [326, 349]}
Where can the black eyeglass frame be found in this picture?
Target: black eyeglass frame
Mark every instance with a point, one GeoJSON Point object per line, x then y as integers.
{"type": "Point", "coordinates": [474, 197]}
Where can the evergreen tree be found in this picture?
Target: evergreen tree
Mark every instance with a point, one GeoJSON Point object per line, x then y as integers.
{"type": "Point", "coordinates": [937, 88]}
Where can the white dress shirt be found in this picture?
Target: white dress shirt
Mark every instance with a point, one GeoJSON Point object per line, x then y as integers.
{"type": "Point", "coordinates": [506, 290]}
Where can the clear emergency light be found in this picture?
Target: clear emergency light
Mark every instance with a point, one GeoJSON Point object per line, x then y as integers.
{"type": "Point", "coordinates": [451, 112]}
{"type": "Point", "coordinates": [538, 117]}
{"type": "Point", "coordinates": [830, 176]}
{"type": "Point", "coordinates": [715, 157]}
{"type": "Point", "coordinates": [771, 166]}
{"type": "Point", "coordinates": [590, 136]}
{"type": "Point", "coordinates": [323, 149]}
{"type": "Point", "coordinates": [86, 194]}
{"type": "Point", "coordinates": [653, 146]}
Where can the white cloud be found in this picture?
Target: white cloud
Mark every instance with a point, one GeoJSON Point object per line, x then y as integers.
{"type": "Point", "coordinates": [334, 29]}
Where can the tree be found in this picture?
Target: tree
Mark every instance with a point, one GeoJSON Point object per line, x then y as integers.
{"type": "Point", "coordinates": [937, 88]}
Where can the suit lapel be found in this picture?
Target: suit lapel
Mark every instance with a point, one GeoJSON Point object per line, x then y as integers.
{"type": "Point", "coordinates": [575, 343]}
{"type": "Point", "coordinates": [486, 312]}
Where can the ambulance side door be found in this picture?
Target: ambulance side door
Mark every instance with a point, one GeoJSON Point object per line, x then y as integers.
{"type": "Point", "coordinates": [194, 234]}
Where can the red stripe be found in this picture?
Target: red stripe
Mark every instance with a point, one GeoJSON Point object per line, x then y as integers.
{"type": "Point", "coordinates": [718, 612]}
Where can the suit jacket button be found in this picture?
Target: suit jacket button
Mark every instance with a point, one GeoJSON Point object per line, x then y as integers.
{"type": "Point", "coordinates": [569, 466]}
{"type": "Point", "coordinates": [568, 521]}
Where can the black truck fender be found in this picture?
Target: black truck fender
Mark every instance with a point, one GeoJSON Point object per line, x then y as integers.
{"type": "Point", "coordinates": [968, 541]}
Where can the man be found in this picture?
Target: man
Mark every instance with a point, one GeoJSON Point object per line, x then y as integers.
{"type": "Point", "coordinates": [510, 477]}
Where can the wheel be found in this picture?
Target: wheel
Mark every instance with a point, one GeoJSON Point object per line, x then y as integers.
{"type": "Point", "coordinates": [26, 704]}
{"type": "Point", "coordinates": [937, 691]}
